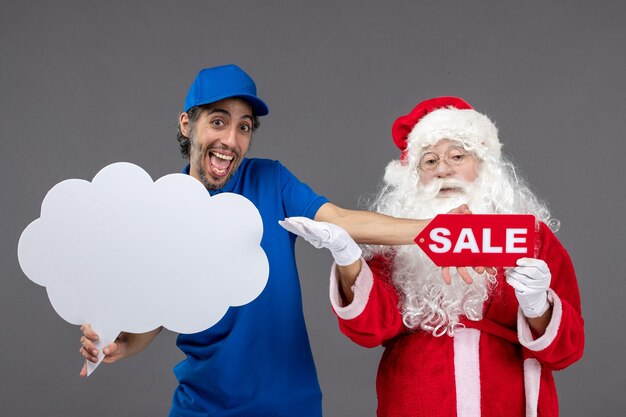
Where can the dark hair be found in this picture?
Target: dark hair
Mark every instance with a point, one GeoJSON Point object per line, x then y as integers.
{"type": "Point", "coordinates": [193, 114]}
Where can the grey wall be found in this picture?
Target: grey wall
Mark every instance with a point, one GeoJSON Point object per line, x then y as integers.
{"type": "Point", "coordinates": [84, 84]}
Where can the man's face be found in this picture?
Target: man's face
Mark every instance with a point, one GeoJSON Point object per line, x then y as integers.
{"type": "Point", "coordinates": [220, 138]}
{"type": "Point", "coordinates": [447, 162]}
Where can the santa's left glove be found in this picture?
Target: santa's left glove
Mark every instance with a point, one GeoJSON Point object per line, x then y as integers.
{"type": "Point", "coordinates": [531, 280]}
{"type": "Point", "coordinates": [325, 235]}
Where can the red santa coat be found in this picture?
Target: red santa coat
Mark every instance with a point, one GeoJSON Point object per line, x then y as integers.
{"type": "Point", "coordinates": [493, 367]}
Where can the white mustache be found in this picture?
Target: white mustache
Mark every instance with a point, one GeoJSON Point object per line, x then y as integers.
{"type": "Point", "coordinates": [435, 186]}
{"type": "Point", "coordinates": [453, 183]}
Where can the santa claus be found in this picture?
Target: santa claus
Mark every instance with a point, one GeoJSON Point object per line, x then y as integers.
{"type": "Point", "coordinates": [482, 345]}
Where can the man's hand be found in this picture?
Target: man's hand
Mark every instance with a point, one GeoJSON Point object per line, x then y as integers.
{"type": "Point", "coordinates": [346, 252]}
{"type": "Point", "coordinates": [445, 271]}
{"type": "Point", "coordinates": [531, 280]}
{"type": "Point", "coordinates": [126, 344]}
{"type": "Point", "coordinates": [112, 353]}
{"type": "Point", "coordinates": [325, 235]}
{"type": "Point", "coordinates": [462, 209]}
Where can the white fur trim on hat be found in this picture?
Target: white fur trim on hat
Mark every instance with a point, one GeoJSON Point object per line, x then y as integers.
{"type": "Point", "coordinates": [474, 130]}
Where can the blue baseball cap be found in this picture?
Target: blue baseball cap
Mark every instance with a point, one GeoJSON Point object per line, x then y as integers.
{"type": "Point", "coordinates": [226, 81]}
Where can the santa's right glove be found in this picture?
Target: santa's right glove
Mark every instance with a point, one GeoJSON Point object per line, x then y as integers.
{"type": "Point", "coordinates": [325, 235]}
{"type": "Point", "coordinates": [531, 280]}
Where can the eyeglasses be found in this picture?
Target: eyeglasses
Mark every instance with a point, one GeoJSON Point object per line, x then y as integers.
{"type": "Point", "coordinates": [453, 157]}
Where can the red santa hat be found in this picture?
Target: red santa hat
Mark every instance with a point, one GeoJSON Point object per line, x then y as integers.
{"type": "Point", "coordinates": [445, 118]}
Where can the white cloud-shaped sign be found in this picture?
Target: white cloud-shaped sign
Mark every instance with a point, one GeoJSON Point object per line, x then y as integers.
{"type": "Point", "coordinates": [125, 253]}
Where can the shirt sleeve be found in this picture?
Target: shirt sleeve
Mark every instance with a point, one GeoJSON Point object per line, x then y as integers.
{"type": "Point", "coordinates": [563, 341]}
{"type": "Point", "coordinates": [373, 317]}
{"type": "Point", "coordinates": [298, 198]}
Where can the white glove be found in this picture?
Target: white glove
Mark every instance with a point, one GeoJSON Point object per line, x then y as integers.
{"type": "Point", "coordinates": [325, 235]}
{"type": "Point", "coordinates": [531, 280]}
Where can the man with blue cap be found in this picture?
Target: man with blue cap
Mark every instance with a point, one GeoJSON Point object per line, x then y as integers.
{"type": "Point", "coordinates": [257, 360]}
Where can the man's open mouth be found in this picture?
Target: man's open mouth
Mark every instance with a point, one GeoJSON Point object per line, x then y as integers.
{"type": "Point", "coordinates": [220, 163]}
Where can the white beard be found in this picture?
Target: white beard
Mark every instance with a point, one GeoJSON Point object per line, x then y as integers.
{"type": "Point", "coordinates": [428, 303]}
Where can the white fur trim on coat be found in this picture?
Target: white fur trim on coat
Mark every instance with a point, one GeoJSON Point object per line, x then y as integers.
{"type": "Point", "coordinates": [467, 372]}
{"type": "Point", "coordinates": [361, 289]}
{"type": "Point", "coordinates": [532, 380]}
{"type": "Point", "coordinates": [525, 335]}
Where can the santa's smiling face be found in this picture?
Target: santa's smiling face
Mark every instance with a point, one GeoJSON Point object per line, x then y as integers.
{"type": "Point", "coordinates": [448, 166]}
{"type": "Point", "coordinates": [449, 157]}
{"type": "Point", "coordinates": [220, 138]}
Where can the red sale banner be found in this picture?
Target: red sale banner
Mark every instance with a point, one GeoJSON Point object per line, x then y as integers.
{"type": "Point", "coordinates": [478, 239]}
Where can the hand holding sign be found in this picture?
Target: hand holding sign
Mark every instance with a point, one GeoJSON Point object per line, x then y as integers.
{"type": "Point", "coordinates": [531, 280]}
{"type": "Point", "coordinates": [461, 270]}
{"type": "Point", "coordinates": [125, 345]}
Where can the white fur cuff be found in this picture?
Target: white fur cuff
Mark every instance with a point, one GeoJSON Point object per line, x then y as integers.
{"type": "Point", "coordinates": [361, 289]}
{"type": "Point", "coordinates": [523, 328]}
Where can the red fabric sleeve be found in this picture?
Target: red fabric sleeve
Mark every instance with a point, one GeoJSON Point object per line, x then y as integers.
{"type": "Point", "coordinates": [564, 339]}
{"type": "Point", "coordinates": [381, 320]}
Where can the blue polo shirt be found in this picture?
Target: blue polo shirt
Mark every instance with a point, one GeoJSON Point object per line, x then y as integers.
{"type": "Point", "coordinates": [257, 360]}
